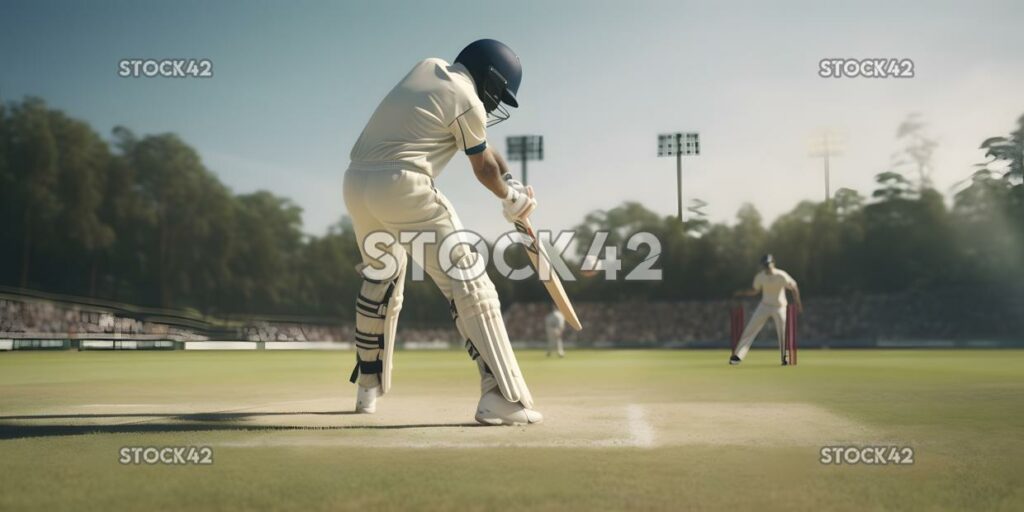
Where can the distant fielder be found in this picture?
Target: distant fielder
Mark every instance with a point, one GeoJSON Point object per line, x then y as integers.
{"type": "Point", "coordinates": [554, 326]}
{"type": "Point", "coordinates": [437, 110]}
{"type": "Point", "coordinates": [772, 284]}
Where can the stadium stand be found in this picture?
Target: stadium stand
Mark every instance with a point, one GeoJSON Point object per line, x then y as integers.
{"type": "Point", "coordinates": [852, 321]}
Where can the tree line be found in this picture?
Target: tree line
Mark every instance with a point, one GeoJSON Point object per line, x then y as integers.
{"type": "Point", "coordinates": [904, 236]}
{"type": "Point", "coordinates": [140, 219]}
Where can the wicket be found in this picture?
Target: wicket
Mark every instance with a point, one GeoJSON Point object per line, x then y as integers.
{"type": "Point", "coordinates": [790, 345]}
{"type": "Point", "coordinates": [791, 326]}
{"type": "Point", "coordinates": [736, 326]}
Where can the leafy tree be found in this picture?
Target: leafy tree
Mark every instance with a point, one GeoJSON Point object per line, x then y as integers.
{"type": "Point", "coordinates": [905, 235]}
{"type": "Point", "coordinates": [125, 262]}
{"type": "Point", "coordinates": [82, 164]}
{"type": "Point", "coordinates": [918, 149]}
{"type": "Point", "coordinates": [850, 267]}
{"type": "Point", "coordinates": [8, 210]}
{"type": "Point", "coordinates": [848, 202]}
{"type": "Point", "coordinates": [188, 246]}
{"type": "Point", "coordinates": [989, 231]}
{"type": "Point", "coordinates": [328, 281]}
{"type": "Point", "coordinates": [893, 186]}
{"type": "Point", "coordinates": [1008, 151]}
{"type": "Point", "coordinates": [266, 258]}
{"type": "Point", "coordinates": [33, 165]}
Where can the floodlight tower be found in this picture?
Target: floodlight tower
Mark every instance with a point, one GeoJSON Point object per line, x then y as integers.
{"type": "Point", "coordinates": [679, 144]}
{"type": "Point", "coordinates": [826, 144]}
{"type": "Point", "coordinates": [523, 148]}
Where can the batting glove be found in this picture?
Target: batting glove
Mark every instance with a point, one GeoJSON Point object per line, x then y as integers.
{"type": "Point", "coordinates": [519, 202]}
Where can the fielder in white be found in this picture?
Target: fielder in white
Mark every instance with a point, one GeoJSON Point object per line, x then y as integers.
{"type": "Point", "coordinates": [772, 284]}
{"type": "Point", "coordinates": [438, 109]}
{"type": "Point", "coordinates": [554, 326]}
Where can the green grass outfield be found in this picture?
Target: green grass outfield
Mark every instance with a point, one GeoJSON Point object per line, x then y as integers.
{"type": "Point", "coordinates": [664, 430]}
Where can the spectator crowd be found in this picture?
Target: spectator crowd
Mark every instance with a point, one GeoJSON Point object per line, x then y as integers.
{"type": "Point", "coordinates": [869, 318]}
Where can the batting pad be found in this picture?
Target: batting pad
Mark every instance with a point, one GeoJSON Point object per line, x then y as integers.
{"type": "Point", "coordinates": [478, 318]}
{"type": "Point", "coordinates": [377, 310]}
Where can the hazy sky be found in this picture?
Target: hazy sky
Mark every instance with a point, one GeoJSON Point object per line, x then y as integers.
{"type": "Point", "coordinates": [295, 81]}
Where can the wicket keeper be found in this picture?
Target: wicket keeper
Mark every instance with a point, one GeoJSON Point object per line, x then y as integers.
{"type": "Point", "coordinates": [772, 284]}
{"type": "Point", "coordinates": [438, 109]}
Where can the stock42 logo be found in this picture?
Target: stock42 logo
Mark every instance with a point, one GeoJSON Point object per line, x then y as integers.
{"type": "Point", "coordinates": [604, 257]}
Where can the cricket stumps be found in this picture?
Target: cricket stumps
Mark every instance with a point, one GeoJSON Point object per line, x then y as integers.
{"type": "Point", "coordinates": [735, 326]}
{"type": "Point", "coordinates": [791, 331]}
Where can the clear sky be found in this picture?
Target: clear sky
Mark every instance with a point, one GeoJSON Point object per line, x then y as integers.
{"type": "Point", "coordinates": [295, 81]}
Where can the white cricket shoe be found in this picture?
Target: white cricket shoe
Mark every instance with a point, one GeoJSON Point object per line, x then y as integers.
{"type": "Point", "coordinates": [493, 409]}
{"type": "Point", "coordinates": [366, 400]}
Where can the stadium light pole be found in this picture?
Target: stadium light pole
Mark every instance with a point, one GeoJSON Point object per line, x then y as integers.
{"type": "Point", "coordinates": [524, 148]}
{"type": "Point", "coordinates": [826, 145]}
{"type": "Point", "coordinates": [679, 144]}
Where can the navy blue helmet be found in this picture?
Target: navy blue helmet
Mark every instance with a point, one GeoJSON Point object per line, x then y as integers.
{"type": "Point", "coordinates": [767, 259]}
{"type": "Point", "coordinates": [496, 72]}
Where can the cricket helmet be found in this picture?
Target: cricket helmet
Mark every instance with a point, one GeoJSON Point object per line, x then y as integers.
{"type": "Point", "coordinates": [496, 72]}
{"type": "Point", "coordinates": [767, 259]}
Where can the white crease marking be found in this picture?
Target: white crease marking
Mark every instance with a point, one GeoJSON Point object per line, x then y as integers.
{"type": "Point", "coordinates": [640, 432]}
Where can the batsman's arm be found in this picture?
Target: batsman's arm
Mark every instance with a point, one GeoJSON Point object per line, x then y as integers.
{"type": "Point", "coordinates": [796, 297]}
{"type": "Point", "coordinates": [518, 201]}
{"type": "Point", "coordinates": [489, 167]}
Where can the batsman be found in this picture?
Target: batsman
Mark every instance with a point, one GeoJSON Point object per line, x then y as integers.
{"type": "Point", "coordinates": [437, 110]}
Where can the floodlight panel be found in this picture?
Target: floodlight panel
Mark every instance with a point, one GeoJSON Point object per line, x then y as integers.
{"type": "Point", "coordinates": [515, 147]}
{"type": "Point", "coordinates": [826, 142]}
{"type": "Point", "coordinates": [670, 144]}
{"type": "Point", "coordinates": [530, 147]}
{"type": "Point", "coordinates": [666, 144]}
{"type": "Point", "coordinates": [535, 147]}
{"type": "Point", "coordinates": [691, 143]}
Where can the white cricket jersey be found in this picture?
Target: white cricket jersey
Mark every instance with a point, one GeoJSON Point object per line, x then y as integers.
{"type": "Point", "coordinates": [773, 287]}
{"type": "Point", "coordinates": [555, 320]}
{"type": "Point", "coordinates": [432, 113]}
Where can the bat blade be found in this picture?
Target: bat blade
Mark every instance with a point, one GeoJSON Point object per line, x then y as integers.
{"type": "Point", "coordinates": [538, 257]}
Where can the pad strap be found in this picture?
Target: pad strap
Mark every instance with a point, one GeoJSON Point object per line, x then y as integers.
{"type": "Point", "coordinates": [369, 341]}
{"type": "Point", "coordinates": [374, 309]}
{"type": "Point", "coordinates": [366, 368]}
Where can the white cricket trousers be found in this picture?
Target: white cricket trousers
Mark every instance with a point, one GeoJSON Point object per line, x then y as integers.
{"type": "Point", "coordinates": [394, 201]}
{"type": "Point", "coordinates": [397, 201]}
{"type": "Point", "coordinates": [555, 342]}
{"type": "Point", "coordinates": [761, 315]}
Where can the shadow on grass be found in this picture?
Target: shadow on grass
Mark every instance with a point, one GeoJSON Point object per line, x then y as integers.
{"type": "Point", "coordinates": [189, 422]}
{"type": "Point", "coordinates": [196, 416]}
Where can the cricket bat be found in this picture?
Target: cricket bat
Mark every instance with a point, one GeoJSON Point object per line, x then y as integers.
{"type": "Point", "coordinates": [538, 256]}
